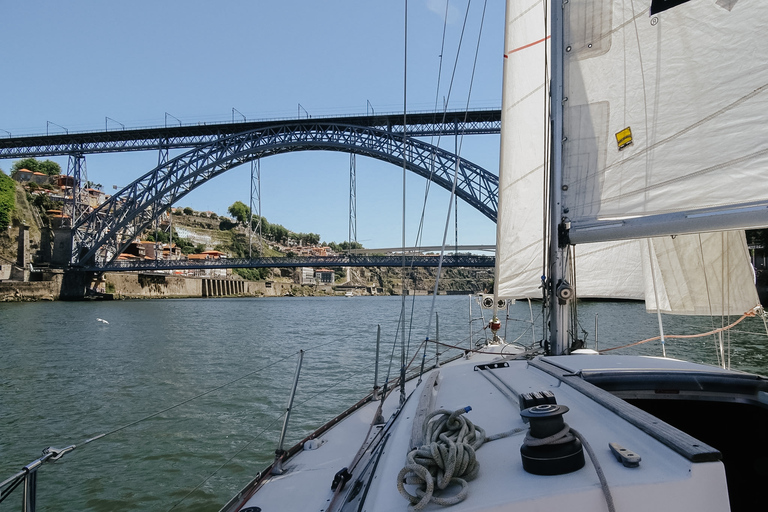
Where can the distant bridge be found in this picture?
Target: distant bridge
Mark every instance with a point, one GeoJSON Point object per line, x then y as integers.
{"type": "Point", "coordinates": [186, 136]}
{"type": "Point", "coordinates": [101, 235]}
{"type": "Point", "coordinates": [298, 261]}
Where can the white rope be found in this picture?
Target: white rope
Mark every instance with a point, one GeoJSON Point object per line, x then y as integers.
{"type": "Point", "coordinates": [448, 457]}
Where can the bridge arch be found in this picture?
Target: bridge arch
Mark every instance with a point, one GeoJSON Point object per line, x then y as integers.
{"type": "Point", "coordinates": [106, 231]}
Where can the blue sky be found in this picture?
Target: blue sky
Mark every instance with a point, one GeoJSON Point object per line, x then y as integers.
{"type": "Point", "coordinates": [73, 64]}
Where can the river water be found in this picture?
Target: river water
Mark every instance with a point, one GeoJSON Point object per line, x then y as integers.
{"type": "Point", "coordinates": [191, 392]}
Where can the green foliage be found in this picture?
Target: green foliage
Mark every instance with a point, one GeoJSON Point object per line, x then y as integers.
{"type": "Point", "coordinates": [7, 200]}
{"type": "Point", "coordinates": [345, 246]}
{"type": "Point", "coordinates": [45, 203]}
{"type": "Point", "coordinates": [27, 163]}
{"type": "Point", "coordinates": [160, 236]}
{"type": "Point", "coordinates": [226, 225]}
{"type": "Point", "coordinates": [52, 169]}
{"type": "Point", "coordinates": [253, 274]}
{"type": "Point", "coordinates": [240, 211]}
{"type": "Point", "coordinates": [277, 233]}
{"type": "Point", "coordinates": [188, 211]}
{"type": "Point", "coordinates": [306, 238]}
{"type": "Point", "coordinates": [46, 167]}
{"type": "Point", "coordinates": [264, 223]}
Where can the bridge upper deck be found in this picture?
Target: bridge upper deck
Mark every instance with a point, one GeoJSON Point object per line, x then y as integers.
{"type": "Point", "coordinates": [420, 124]}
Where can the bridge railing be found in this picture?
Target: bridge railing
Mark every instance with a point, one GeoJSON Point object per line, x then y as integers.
{"type": "Point", "coordinates": [449, 261]}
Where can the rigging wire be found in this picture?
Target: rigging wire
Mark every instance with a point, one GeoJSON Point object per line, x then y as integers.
{"type": "Point", "coordinates": [458, 153]}
{"type": "Point", "coordinates": [420, 229]}
{"type": "Point", "coordinates": [405, 168]}
{"type": "Point", "coordinates": [546, 163]}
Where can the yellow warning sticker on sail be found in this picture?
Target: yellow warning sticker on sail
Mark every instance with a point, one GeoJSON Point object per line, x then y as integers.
{"type": "Point", "coordinates": [624, 138]}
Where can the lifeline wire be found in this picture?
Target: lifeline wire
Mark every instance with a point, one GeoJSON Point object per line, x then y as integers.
{"type": "Point", "coordinates": [257, 436]}
{"type": "Point", "coordinates": [274, 421]}
{"type": "Point", "coordinates": [185, 401]}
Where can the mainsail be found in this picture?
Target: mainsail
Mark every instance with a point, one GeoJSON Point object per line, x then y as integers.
{"type": "Point", "coordinates": [648, 101]}
{"type": "Point", "coordinates": [520, 224]}
{"type": "Point", "coordinates": [664, 117]}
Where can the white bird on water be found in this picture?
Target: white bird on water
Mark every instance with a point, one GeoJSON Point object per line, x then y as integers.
{"type": "Point", "coordinates": [102, 320]}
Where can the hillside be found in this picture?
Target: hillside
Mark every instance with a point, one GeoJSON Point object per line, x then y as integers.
{"type": "Point", "coordinates": [200, 231]}
{"type": "Point", "coordinates": [21, 213]}
{"type": "Point", "coordinates": [221, 234]}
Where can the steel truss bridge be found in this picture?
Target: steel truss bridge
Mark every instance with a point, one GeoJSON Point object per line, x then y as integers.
{"type": "Point", "coordinates": [468, 260]}
{"type": "Point", "coordinates": [212, 149]}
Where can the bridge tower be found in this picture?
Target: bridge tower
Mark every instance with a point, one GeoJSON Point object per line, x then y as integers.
{"type": "Point", "coordinates": [76, 169]}
{"type": "Point", "coordinates": [352, 198]}
{"type": "Point", "coordinates": [255, 194]}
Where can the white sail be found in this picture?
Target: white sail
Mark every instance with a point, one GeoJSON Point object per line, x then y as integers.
{"type": "Point", "coordinates": [700, 274]}
{"type": "Point", "coordinates": [610, 270]}
{"type": "Point", "coordinates": [519, 224]}
{"type": "Point", "coordinates": [598, 96]}
{"type": "Point", "coordinates": [520, 241]}
{"type": "Point", "coordinates": [664, 114]}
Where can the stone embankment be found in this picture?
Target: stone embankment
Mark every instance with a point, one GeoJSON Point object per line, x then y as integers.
{"type": "Point", "coordinates": [53, 286]}
{"type": "Point", "coordinates": [151, 286]}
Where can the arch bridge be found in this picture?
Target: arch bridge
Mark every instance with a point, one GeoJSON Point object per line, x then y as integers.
{"type": "Point", "coordinates": [100, 236]}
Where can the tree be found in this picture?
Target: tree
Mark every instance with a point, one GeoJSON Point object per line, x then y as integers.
{"type": "Point", "coordinates": [53, 169]}
{"type": "Point", "coordinates": [264, 223]}
{"type": "Point", "coordinates": [240, 211]}
{"type": "Point", "coordinates": [345, 246]}
{"type": "Point", "coordinates": [7, 200]}
{"type": "Point", "coordinates": [188, 211]}
{"type": "Point", "coordinates": [278, 233]}
{"type": "Point", "coordinates": [27, 163]}
{"type": "Point", "coordinates": [306, 238]}
{"type": "Point", "coordinates": [46, 167]}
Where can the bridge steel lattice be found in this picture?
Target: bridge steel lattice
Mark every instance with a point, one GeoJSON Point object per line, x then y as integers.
{"type": "Point", "coordinates": [186, 136]}
{"type": "Point", "coordinates": [101, 236]}
{"type": "Point", "coordinates": [461, 260]}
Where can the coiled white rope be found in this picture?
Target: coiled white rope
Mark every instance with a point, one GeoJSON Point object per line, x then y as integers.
{"type": "Point", "coordinates": [447, 457]}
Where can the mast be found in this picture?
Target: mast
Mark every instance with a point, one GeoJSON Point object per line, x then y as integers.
{"type": "Point", "coordinates": [557, 286]}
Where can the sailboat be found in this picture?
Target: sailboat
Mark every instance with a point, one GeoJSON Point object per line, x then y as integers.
{"type": "Point", "coordinates": [640, 125]}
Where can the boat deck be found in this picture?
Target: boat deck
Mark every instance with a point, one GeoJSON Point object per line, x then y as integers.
{"type": "Point", "coordinates": [676, 472]}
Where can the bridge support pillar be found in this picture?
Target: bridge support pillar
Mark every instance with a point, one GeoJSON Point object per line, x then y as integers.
{"type": "Point", "coordinates": [73, 285]}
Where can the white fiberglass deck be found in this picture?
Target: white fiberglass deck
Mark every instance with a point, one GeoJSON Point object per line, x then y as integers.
{"type": "Point", "coordinates": [665, 480]}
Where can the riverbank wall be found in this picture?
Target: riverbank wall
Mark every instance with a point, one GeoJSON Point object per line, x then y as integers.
{"type": "Point", "coordinates": [34, 286]}
{"type": "Point", "coordinates": [58, 285]}
{"type": "Point", "coordinates": [151, 286]}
